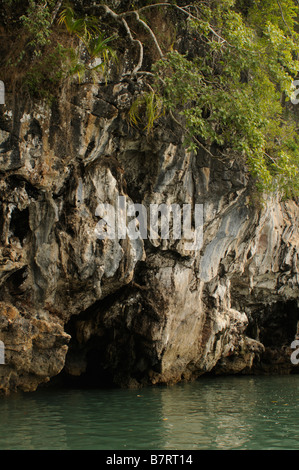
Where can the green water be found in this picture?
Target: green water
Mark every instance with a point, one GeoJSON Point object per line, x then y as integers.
{"type": "Point", "coordinates": [213, 413]}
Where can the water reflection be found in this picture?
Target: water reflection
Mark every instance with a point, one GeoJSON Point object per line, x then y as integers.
{"type": "Point", "coordinates": [213, 413]}
{"type": "Point", "coordinates": [110, 419]}
{"type": "Point", "coordinates": [214, 416]}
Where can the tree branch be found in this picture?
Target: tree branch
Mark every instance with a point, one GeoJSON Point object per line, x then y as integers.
{"type": "Point", "coordinates": [173, 5]}
{"type": "Point", "coordinates": [121, 18]}
{"type": "Point", "coordinates": [283, 18]}
{"type": "Point", "coordinates": [146, 26]}
{"type": "Point", "coordinates": [139, 65]}
{"type": "Point", "coordinates": [55, 11]}
{"type": "Point", "coordinates": [193, 137]}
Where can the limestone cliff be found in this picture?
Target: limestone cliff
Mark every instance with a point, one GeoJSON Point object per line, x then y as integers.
{"type": "Point", "coordinates": [133, 312]}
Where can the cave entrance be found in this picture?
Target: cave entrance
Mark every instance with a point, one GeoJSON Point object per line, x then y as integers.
{"type": "Point", "coordinates": [95, 348]}
{"type": "Point", "coordinates": [277, 324]}
{"type": "Point", "coordinates": [85, 360]}
{"type": "Point", "coordinates": [19, 223]}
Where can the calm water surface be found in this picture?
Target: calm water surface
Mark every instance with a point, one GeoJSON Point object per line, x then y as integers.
{"type": "Point", "coordinates": [213, 413]}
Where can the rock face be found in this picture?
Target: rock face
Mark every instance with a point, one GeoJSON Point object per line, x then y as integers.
{"type": "Point", "coordinates": [138, 311]}
{"type": "Point", "coordinates": [35, 349]}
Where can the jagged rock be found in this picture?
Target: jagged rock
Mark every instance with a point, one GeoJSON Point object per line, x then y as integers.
{"type": "Point", "coordinates": [34, 349]}
{"type": "Point", "coordinates": [141, 311]}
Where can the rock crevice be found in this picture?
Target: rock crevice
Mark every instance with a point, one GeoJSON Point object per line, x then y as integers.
{"type": "Point", "coordinates": [144, 311]}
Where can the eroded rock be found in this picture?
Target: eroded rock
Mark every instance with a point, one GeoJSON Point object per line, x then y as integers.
{"type": "Point", "coordinates": [144, 311]}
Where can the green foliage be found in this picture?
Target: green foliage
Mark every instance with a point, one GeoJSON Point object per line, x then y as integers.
{"type": "Point", "coordinates": [37, 22]}
{"type": "Point", "coordinates": [231, 88]}
{"type": "Point", "coordinates": [145, 110]}
{"type": "Point", "coordinates": [88, 30]}
{"type": "Point", "coordinates": [45, 56]}
{"type": "Point", "coordinates": [46, 74]}
{"type": "Point", "coordinates": [230, 93]}
{"type": "Point", "coordinates": [98, 46]}
{"type": "Point", "coordinates": [85, 28]}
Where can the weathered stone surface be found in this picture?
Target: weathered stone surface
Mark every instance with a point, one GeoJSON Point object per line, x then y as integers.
{"type": "Point", "coordinates": [134, 312]}
{"type": "Point", "coordinates": [35, 349]}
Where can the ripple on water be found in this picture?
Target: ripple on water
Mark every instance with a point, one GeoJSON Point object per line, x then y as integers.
{"type": "Point", "coordinates": [212, 413]}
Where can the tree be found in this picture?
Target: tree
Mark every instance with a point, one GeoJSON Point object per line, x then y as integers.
{"type": "Point", "coordinates": [228, 87]}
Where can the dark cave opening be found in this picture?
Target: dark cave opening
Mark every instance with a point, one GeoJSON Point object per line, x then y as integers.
{"type": "Point", "coordinates": [274, 325]}
{"type": "Point", "coordinates": [19, 223]}
{"type": "Point", "coordinates": [104, 352]}
{"type": "Point", "coordinates": [85, 364]}
{"type": "Point", "coordinates": [89, 349]}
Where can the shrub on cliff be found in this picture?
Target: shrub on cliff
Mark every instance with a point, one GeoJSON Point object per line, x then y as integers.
{"type": "Point", "coordinates": [223, 69]}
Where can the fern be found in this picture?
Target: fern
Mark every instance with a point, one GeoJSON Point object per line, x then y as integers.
{"type": "Point", "coordinates": [99, 47]}
{"type": "Point", "coordinates": [145, 110]}
{"type": "Point", "coordinates": [85, 28]}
